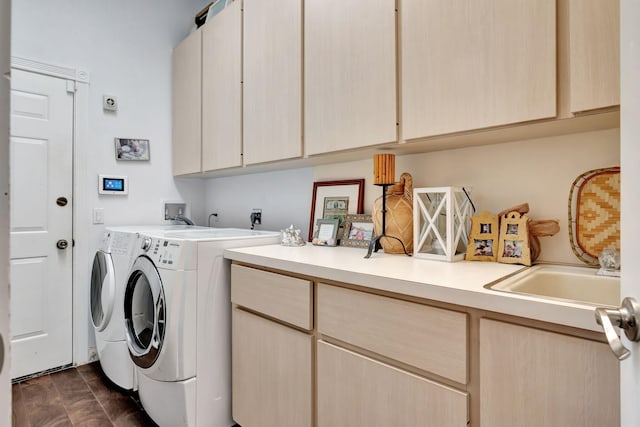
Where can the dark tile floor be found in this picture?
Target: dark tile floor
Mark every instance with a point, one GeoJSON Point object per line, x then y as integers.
{"type": "Point", "coordinates": [75, 397]}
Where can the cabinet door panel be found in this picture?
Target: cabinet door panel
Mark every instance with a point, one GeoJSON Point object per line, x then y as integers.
{"type": "Point", "coordinates": [187, 99]}
{"type": "Point", "coordinates": [530, 377]}
{"type": "Point", "coordinates": [475, 64]}
{"type": "Point", "coordinates": [594, 47]}
{"type": "Point", "coordinates": [271, 373]}
{"type": "Point", "coordinates": [350, 74]}
{"type": "Point", "coordinates": [222, 90]}
{"type": "Point", "coordinates": [354, 390]}
{"type": "Point", "coordinates": [272, 81]}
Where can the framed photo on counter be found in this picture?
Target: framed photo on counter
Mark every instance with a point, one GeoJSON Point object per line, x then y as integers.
{"type": "Point", "coordinates": [325, 233]}
{"type": "Point", "coordinates": [357, 231]}
{"type": "Point", "coordinates": [335, 200]}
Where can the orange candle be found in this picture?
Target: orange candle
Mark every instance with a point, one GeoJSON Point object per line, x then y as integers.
{"type": "Point", "coordinates": [384, 169]}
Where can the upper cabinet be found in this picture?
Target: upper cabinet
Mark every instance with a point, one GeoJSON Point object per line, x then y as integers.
{"type": "Point", "coordinates": [187, 120]}
{"type": "Point", "coordinates": [350, 74]}
{"type": "Point", "coordinates": [475, 64]}
{"type": "Point", "coordinates": [272, 81]}
{"type": "Point", "coordinates": [222, 89]}
{"type": "Point", "coordinates": [259, 84]}
{"type": "Point", "coordinates": [594, 54]}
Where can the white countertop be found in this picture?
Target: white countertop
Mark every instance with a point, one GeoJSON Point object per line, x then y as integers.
{"type": "Point", "coordinates": [460, 283]}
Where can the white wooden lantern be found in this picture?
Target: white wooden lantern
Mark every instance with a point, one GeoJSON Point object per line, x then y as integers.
{"type": "Point", "coordinates": [441, 220]}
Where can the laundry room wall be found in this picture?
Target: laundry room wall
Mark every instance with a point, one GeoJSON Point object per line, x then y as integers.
{"type": "Point", "coordinates": [283, 196]}
{"type": "Point", "coordinates": [126, 47]}
{"type": "Point", "coordinates": [537, 171]}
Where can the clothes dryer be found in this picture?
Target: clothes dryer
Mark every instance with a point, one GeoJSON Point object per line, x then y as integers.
{"type": "Point", "coordinates": [177, 309]}
{"type": "Point", "coordinates": [110, 270]}
{"type": "Point", "coordinates": [111, 264]}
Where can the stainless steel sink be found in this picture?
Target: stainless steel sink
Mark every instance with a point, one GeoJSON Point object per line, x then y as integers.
{"type": "Point", "coordinates": [568, 283]}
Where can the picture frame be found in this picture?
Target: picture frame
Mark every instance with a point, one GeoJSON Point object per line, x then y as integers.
{"type": "Point", "coordinates": [357, 231]}
{"type": "Point", "coordinates": [325, 233]}
{"type": "Point", "coordinates": [513, 247]}
{"type": "Point", "coordinates": [336, 200]}
{"type": "Point", "coordinates": [132, 149]}
{"type": "Point", "coordinates": [483, 237]}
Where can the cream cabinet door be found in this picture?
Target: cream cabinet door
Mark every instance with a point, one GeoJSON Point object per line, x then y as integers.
{"type": "Point", "coordinates": [594, 54]}
{"type": "Point", "coordinates": [271, 373]}
{"type": "Point", "coordinates": [350, 74]}
{"type": "Point", "coordinates": [354, 390]}
{"type": "Point", "coordinates": [187, 105]}
{"type": "Point", "coordinates": [530, 377]}
{"type": "Point", "coordinates": [222, 89]}
{"type": "Point", "coordinates": [475, 64]}
{"type": "Point", "coordinates": [272, 81]}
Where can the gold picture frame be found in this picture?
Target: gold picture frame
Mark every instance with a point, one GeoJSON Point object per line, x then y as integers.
{"type": "Point", "coordinates": [357, 231]}
{"type": "Point", "coordinates": [513, 247]}
{"type": "Point", "coordinates": [483, 238]}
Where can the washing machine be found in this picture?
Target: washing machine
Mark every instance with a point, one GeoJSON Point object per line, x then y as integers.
{"type": "Point", "coordinates": [177, 310]}
{"type": "Point", "coordinates": [110, 270]}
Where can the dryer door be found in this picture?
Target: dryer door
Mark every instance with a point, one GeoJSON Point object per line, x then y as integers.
{"type": "Point", "coordinates": [144, 312]}
{"type": "Point", "coordinates": [103, 290]}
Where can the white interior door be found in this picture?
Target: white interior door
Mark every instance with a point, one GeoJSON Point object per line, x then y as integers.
{"type": "Point", "coordinates": [630, 180]}
{"type": "Point", "coordinates": [5, 383]}
{"type": "Point", "coordinates": [41, 152]}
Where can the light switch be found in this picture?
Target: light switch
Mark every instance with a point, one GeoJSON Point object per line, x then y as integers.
{"type": "Point", "coordinates": [98, 215]}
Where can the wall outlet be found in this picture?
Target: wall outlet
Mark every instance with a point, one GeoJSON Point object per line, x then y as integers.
{"type": "Point", "coordinates": [256, 217]}
{"type": "Point", "coordinates": [171, 210]}
{"type": "Point", "coordinates": [214, 217]}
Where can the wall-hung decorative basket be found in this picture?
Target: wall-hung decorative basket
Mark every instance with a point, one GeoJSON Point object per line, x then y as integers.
{"type": "Point", "coordinates": [594, 214]}
{"type": "Point", "coordinates": [441, 221]}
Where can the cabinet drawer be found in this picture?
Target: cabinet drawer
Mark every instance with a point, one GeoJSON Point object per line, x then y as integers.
{"type": "Point", "coordinates": [285, 298]}
{"type": "Point", "coordinates": [354, 390]}
{"type": "Point", "coordinates": [426, 337]}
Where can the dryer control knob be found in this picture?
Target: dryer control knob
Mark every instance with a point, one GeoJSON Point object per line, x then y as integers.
{"type": "Point", "coordinates": [146, 244]}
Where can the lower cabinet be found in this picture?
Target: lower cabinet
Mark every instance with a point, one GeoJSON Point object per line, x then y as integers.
{"type": "Point", "coordinates": [308, 353]}
{"type": "Point", "coordinates": [531, 377]}
{"type": "Point", "coordinates": [271, 373]}
{"type": "Point", "coordinates": [354, 390]}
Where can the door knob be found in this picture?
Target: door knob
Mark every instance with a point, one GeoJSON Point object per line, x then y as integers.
{"type": "Point", "coordinates": [625, 317]}
{"type": "Point", "coordinates": [61, 201]}
{"type": "Point", "coordinates": [62, 244]}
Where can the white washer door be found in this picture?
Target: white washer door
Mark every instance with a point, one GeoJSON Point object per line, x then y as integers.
{"type": "Point", "coordinates": [144, 312]}
{"type": "Point", "coordinates": [103, 290]}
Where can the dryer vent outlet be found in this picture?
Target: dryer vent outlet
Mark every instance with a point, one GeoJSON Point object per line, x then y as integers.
{"type": "Point", "coordinates": [172, 210]}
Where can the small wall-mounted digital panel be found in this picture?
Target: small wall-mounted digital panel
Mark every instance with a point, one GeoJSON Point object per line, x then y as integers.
{"type": "Point", "coordinates": [114, 185]}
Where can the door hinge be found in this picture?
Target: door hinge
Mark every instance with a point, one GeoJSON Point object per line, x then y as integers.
{"type": "Point", "coordinates": [72, 86]}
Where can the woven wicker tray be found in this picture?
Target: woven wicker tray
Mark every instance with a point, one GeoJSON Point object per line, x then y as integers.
{"type": "Point", "coordinates": [594, 213]}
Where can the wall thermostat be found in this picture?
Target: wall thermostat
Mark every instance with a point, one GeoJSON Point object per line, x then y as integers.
{"type": "Point", "coordinates": [111, 184]}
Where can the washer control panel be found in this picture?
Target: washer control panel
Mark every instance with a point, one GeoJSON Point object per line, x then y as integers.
{"type": "Point", "coordinates": [169, 254]}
